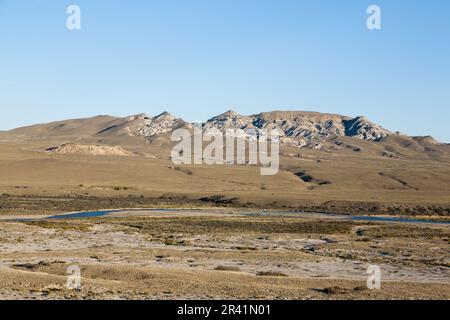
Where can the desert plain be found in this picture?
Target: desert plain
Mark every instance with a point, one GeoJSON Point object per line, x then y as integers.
{"type": "Point", "coordinates": [220, 232]}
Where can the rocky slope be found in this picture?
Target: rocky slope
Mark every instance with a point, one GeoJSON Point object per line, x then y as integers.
{"type": "Point", "coordinates": [300, 129]}
{"type": "Point", "coordinates": [143, 125]}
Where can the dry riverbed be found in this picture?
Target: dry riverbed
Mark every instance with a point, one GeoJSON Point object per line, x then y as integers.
{"type": "Point", "coordinates": [222, 254]}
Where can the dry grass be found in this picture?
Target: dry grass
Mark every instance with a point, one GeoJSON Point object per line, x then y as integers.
{"type": "Point", "coordinates": [60, 225]}
{"type": "Point", "coordinates": [341, 181]}
{"type": "Point", "coordinates": [271, 274]}
{"type": "Point", "coordinates": [277, 258]}
{"type": "Point", "coordinates": [227, 268]}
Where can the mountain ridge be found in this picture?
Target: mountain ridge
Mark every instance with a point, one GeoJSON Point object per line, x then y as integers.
{"type": "Point", "coordinates": [302, 129]}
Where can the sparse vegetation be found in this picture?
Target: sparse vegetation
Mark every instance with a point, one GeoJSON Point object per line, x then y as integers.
{"type": "Point", "coordinates": [271, 274]}
{"type": "Point", "coordinates": [227, 268]}
{"type": "Point", "coordinates": [143, 257]}
{"type": "Point", "coordinates": [59, 225]}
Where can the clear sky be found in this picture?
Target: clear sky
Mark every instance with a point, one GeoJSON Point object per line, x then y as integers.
{"type": "Point", "coordinates": [198, 58]}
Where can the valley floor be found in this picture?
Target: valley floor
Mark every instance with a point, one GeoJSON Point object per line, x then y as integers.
{"type": "Point", "coordinates": [222, 253]}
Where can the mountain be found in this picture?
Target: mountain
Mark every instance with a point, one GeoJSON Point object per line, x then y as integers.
{"type": "Point", "coordinates": [324, 159]}
{"type": "Point", "coordinates": [300, 129]}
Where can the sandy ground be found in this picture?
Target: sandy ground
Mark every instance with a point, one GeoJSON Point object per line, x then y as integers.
{"type": "Point", "coordinates": [222, 254]}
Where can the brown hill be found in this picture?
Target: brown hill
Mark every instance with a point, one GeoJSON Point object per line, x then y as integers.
{"type": "Point", "coordinates": [353, 161]}
{"type": "Point", "coordinates": [69, 129]}
{"type": "Point", "coordinates": [295, 125]}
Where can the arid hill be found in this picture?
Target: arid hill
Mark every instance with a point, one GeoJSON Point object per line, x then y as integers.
{"type": "Point", "coordinates": [305, 130]}
{"type": "Point", "coordinates": [329, 162]}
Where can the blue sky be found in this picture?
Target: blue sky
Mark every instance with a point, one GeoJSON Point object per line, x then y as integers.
{"type": "Point", "coordinates": [198, 58]}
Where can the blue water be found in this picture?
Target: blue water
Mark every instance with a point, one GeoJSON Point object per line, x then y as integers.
{"type": "Point", "coordinates": [101, 213]}
{"type": "Point", "coordinates": [391, 219]}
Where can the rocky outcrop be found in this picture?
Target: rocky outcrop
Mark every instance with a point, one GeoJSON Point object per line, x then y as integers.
{"type": "Point", "coordinates": [143, 125]}
{"type": "Point", "coordinates": [296, 128]}
{"type": "Point", "coordinates": [165, 122]}
{"type": "Point", "coordinates": [95, 150]}
{"type": "Point", "coordinates": [302, 129]}
{"type": "Point", "coordinates": [363, 129]}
